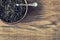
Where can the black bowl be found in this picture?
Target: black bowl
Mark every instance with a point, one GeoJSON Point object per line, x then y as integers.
{"type": "Point", "coordinates": [10, 13]}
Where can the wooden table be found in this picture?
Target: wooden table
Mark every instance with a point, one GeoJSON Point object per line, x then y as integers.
{"type": "Point", "coordinates": [41, 23]}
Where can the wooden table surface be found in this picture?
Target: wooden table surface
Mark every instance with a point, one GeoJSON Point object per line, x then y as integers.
{"type": "Point", "coordinates": [41, 23]}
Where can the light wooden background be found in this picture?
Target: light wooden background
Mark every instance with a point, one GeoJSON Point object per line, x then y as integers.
{"type": "Point", "coordinates": [41, 23]}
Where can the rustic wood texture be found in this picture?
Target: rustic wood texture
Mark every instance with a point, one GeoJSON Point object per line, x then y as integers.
{"type": "Point", "coordinates": [41, 23]}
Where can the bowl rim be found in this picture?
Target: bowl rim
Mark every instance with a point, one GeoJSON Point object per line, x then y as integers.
{"type": "Point", "coordinates": [19, 19]}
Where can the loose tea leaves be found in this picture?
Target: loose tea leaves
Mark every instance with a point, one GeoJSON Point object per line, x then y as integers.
{"type": "Point", "coordinates": [9, 12]}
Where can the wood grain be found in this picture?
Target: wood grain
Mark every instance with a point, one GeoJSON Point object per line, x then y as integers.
{"type": "Point", "coordinates": [41, 23]}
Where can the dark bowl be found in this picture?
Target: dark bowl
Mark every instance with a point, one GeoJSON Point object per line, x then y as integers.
{"type": "Point", "coordinates": [10, 13]}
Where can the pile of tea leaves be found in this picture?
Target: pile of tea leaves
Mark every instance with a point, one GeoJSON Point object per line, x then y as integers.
{"type": "Point", "coordinates": [9, 12]}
